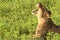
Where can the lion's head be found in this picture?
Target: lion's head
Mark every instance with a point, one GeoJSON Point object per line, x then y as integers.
{"type": "Point", "coordinates": [41, 11]}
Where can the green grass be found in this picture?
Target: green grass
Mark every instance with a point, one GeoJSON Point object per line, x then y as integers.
{"type": "Point", "coordinates": [17, 22]}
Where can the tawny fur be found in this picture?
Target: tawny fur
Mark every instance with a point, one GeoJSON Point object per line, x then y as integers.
{"type": "Point", "coordinates": [45, 23]}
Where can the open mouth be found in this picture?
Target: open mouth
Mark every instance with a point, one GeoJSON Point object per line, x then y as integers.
{"type": "Point", "coordinates": [34, 11]}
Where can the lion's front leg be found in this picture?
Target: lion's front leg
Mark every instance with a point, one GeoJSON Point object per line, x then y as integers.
{"type": "Point", "coordinates": [41, 35]}
{"type": "Point", "coordinates": [40, 32]}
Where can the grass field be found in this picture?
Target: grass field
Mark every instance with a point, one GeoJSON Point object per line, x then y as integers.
{"type": "Point", "coordinates": [17, 22]}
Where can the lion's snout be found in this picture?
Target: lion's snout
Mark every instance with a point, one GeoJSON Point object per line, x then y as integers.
{"type": "Point", "coordinates": [34, 12]}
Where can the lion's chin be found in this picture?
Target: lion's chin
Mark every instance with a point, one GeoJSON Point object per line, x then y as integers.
{"type": "Point", "coordinates": [33, 13]}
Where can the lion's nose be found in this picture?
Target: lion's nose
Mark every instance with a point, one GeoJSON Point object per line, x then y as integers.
{"type": "Point", "coordinates": [33, 11]}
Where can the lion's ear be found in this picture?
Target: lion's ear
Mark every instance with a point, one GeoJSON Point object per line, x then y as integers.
{"type": "Point", "coordinates": [47, 14]}
{"type": "Point", "coordinates": [39, 5]}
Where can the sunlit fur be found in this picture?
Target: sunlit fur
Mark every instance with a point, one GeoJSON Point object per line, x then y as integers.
{"type": "Point", "coordinates": [45, 23]}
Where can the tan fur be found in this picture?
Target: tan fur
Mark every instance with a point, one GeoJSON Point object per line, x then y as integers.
{"type": "Point", "coordinates": [45, 23]}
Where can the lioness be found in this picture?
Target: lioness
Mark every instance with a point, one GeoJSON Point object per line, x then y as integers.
{"type": "Point", "coordinates": [45, 23]}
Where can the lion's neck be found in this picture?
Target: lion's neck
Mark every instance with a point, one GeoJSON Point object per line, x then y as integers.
{"type": "Point", "coordinates": [41, 20]}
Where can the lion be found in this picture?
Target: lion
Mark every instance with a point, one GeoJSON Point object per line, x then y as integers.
{"type": "Point", "coordinates": [45, 23]}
